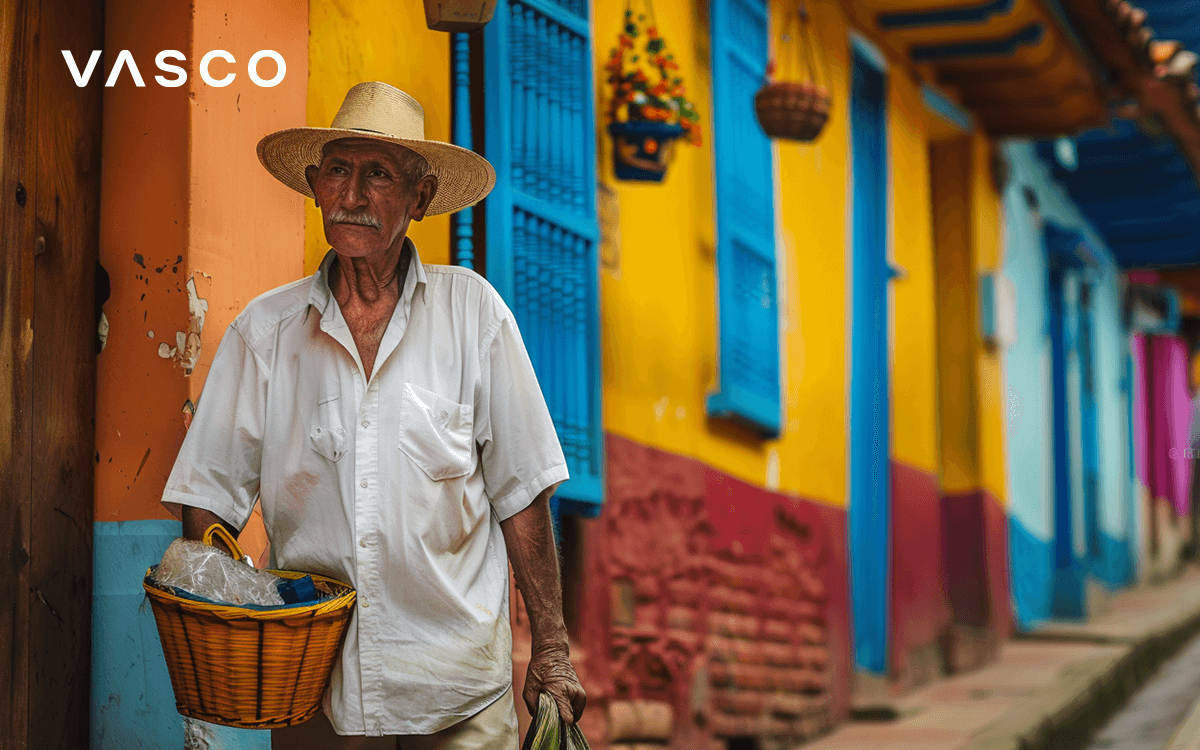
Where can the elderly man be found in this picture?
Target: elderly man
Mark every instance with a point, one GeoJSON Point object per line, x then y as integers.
{"type": "Point", "coordinates": [388, 417]}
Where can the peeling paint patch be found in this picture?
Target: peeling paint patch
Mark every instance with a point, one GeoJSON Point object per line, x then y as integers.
{"type": "Point", "coordinates": [187, 343]}
{"type": "Point", "coordinates": [196, 735]}
{"type": "Point", "coordinates": [137, 258]}
{"type": "Point", "coordinates": [660, 407]}
{"type": "Point", "coordinates": [142, 465]}
{"type": "Point", "coordinates": [772, 482]}
{"type": "Point", "coordinates": [102, 331]}
{"type": "Point", "coordinates": [26, 339]}
{"type": "Point", "coordinates": [189, 411]}
{"type": "Point", "coordinates": [150, 334]}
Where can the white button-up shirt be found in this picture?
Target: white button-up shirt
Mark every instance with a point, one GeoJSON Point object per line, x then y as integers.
{"type": "Point", "coordinates": [396, 485]}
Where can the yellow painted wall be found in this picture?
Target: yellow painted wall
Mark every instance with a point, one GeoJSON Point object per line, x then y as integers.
{"type": "Point", "coordinates": [969, 241]}
{"type": "Point", "coordinates": [956, 316]}
{"type": "Point", "coordinates": [351, 41]}
{"type": "Point", "coordinates": [989, 243]}
{"type": "Point", "coordinates": [914, 351]}
{"type": "Point", "coordinates": [658, 307]}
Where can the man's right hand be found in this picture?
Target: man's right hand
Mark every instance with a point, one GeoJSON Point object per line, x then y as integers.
{"type": "Point", "coordinates": [197, 520]}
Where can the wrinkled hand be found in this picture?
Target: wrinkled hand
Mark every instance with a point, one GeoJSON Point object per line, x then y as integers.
{"type": "Point", "coordinates": [550, 671]}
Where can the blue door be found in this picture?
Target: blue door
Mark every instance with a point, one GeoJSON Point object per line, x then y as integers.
{"type": "Point", "coordinates": [1068, 598]}
{"type": "Point", "coordinates": [869, 513]}
{"type": "Point", "coordinates": [1089, 429]}
{"type": "Point", "coordinates": [542, 229]}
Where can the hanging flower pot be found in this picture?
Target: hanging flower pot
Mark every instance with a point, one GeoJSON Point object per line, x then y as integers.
{"type": "Point", "coordinates": [795, 110]}
{"type": "Point", "coordinates": [648, 110]}
{"type": "Point", "coordinates": [458, 15]}
{"type": "Point", "coordinates": [643, 150]}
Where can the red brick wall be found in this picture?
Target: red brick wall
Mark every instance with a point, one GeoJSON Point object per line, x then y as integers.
{"type": "Point", "coordinates": [919, 613]}
{"type": "Point", "coordinates": [725, 602]}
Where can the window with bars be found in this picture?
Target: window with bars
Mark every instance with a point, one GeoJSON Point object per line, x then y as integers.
{"type": "Point", "coordinates": [541, 220]}
{"type": "Point", "coordinates": [749, 390]}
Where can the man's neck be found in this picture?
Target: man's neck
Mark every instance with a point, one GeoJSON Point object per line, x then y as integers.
{"type": "Point", "coordinates": [367, 282]}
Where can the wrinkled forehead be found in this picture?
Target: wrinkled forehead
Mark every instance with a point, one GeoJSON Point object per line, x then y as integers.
{"type": "Point", "coordinates": [366, 148]}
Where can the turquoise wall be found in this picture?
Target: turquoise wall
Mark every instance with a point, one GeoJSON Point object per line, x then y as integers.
{"type": "Point", "coordinates": [1028, 385]}
{"type": "Point", "coordinates": [133, 705]}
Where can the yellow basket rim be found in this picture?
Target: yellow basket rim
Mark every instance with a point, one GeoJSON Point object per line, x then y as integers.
{"type": "Point", "coordinates": [234, 612]}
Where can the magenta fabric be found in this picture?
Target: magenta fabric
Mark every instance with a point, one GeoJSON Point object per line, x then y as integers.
{"type": "Point", "coordinates": [1171, 472]}
{"type": "Point", "coordinates": [1141, 429]}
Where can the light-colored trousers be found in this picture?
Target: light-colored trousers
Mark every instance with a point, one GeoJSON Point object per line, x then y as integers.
{"type": "Point", "coordinates": [493, 728]}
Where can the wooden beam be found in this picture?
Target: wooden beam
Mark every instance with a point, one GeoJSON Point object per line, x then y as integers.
{"type": "Point", "coordinates": [18, 139]}
{"type": "Point", "coordinates": [1127, 49]}
{"type": "Point", "coordinates": [49, 228]}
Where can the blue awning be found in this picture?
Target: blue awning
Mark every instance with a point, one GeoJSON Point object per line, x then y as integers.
{"type": "Point", "coordinates": [1138, 192]}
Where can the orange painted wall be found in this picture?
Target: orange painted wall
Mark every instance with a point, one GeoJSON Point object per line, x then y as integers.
{"type": "Point", "coordinates": [143, 211]}
{"type": "Point", "coordinates": [182, 188]}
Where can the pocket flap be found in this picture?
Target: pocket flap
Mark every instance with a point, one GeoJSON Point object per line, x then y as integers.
{"type": "Point", "coordinates": [436, 432]}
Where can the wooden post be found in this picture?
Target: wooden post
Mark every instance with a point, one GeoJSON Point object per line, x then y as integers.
{"type": "Point", "coordinates": [49, 213]}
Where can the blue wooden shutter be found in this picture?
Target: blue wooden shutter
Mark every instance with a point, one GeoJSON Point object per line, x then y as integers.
{"type": "Point", "coordinates": [746, 288]}
{"type": "Point", "coordinates": [540, 135]}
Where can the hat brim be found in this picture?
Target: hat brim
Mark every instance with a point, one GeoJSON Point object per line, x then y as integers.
{"type": "Point", "coordinates": [464, 177]}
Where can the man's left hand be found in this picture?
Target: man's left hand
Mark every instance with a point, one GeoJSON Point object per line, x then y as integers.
{"type": "Point", "coordinates": [550, 671]}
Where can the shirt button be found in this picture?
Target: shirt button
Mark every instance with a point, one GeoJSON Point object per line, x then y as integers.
{"type": "Point", "coordinates": [362, 542]}
{"type": "Point", "coordinates": [363, 484]}
{"type": "Point", "coordinates": [364, 601]}
{"type": "Point", "coordinates": [444, 415]}
{"type": "Point", "coordinates": [366, 423]}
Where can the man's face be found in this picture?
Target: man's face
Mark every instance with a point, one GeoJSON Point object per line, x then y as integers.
{"type": "Point", "coordinates": [367, 194]}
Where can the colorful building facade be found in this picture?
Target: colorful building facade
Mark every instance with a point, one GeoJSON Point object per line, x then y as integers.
{"type": "Point", "coordinates": [808, 470]}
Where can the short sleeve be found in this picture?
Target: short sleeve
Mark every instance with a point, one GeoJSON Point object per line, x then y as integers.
{"type": "Point", "coordinates": [518, 447]}
{"type": "Point", "coordinates": [219, 463]}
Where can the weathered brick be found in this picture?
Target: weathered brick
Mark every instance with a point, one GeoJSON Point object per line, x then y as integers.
{"type": "Point", "coordinates": [640, 720]}
{"type": "Point", "coordinates": [733, 624]}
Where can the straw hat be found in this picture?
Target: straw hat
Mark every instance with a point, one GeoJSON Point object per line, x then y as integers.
{"type": "Point", "coordinates": [377, 110]}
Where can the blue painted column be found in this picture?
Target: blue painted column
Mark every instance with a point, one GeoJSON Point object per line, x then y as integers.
{"type": "Point", "coordinates": [464, 232]}
{"type": "Point", "coordinates": [870, 504]}
{"type": "Point", "coordinates": [133, 704]}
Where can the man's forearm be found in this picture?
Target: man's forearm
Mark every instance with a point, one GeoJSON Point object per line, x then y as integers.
{"type": "Point", "coordinates": [529, 537]}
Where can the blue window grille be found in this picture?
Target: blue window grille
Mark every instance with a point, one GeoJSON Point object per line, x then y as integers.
{"type": "Point", "coordinates": [749, 390]}
{"type": "Point", "coordinates": [542, 228]}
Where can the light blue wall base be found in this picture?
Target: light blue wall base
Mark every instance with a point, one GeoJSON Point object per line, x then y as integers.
{"type": "Point", "coordinates": [133, 705]}
{"type": "Point", "coordinates": [1031, 568]}
{"type": "Point", "coordinates": [1115, 566]}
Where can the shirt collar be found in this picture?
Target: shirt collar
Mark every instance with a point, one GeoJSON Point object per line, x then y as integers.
{"type": "Point", "coordinates": [320, 294]}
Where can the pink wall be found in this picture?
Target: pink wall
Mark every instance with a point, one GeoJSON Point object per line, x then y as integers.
{"type": "Point", "coordinates": [1164, 411]}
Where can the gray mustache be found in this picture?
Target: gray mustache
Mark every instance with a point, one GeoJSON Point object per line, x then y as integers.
{"type": "Point", "coordinates": [345, 217]}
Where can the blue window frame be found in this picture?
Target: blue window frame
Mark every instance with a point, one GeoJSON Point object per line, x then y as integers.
{"type": "Point", "coordinates": [749, 390]}
{"type": "Point", "coordinates": [542, 228]}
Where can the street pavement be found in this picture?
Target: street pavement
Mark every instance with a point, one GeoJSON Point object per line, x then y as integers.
{"type": "Point", "coordinates": [1151, 718]}
{"type": "Point", "coordinates": [1055, 688]}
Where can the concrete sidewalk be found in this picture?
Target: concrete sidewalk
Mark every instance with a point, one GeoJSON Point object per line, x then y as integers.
{"type": "Point", "coordinates": [1051, 689]}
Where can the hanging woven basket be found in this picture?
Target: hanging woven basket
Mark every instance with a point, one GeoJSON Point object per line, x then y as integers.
{"type": "Point", "coordinates": [648, 112]}
{"type": "Point", "coordinates": [795, 110]}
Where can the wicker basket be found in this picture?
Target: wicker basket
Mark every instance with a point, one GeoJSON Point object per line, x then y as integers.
{"type": "Point", "coordinates": [796, 111]}
{"type": "Point", "coordinates": [251, 667]}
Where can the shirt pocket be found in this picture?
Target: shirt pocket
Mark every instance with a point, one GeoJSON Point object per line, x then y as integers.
{"type": "Point", "coordinates": [325, 431]}
{"type": "Point", "coordinates": [436, 432]}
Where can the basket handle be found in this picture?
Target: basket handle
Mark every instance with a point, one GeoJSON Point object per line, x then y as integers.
{"type": "Point", "coordinates": [219, 530]}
